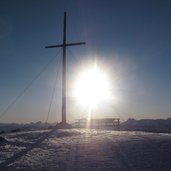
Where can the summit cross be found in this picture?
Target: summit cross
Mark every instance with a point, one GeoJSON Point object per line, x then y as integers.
{"type": "Point", "coordinates": [63, 46]}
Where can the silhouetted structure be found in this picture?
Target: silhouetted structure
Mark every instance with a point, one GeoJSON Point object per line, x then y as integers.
{"type": "Point", "coordinates": [64, 123]}
{"type": "Point", "coordinates": [103, 123]}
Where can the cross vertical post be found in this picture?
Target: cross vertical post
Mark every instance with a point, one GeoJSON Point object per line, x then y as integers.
{"type": "Point", "coordinates": [64, 73]}
{"type": "Point", "coordinates": [64, 124]}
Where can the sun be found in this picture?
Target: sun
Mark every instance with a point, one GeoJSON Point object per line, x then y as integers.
{"type": "Point", "coordinates": [92, 87]}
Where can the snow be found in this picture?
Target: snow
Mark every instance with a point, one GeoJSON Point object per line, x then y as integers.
{"type": "Point", "coordinates": [85, 150]}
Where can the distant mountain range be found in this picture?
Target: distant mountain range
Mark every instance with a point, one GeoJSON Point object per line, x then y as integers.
{"type": "Point", "coordinates": [14, 127]}
{"type": "Point", "coordinates": [150, 125]}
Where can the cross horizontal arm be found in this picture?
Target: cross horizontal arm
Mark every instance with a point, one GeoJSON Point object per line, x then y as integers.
{"type": "Point", "coordinates": [73, 44]}
{"type": "Point", "coordinates": [67, 44]}
{"type": "Point", "coordinates": [54, 46]}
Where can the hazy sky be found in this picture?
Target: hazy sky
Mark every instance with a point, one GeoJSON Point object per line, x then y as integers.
{"type": "Point", "coordinates": [129, 39]}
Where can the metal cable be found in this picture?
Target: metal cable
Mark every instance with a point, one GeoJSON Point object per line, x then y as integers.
{"type": "Point", "coordinates": [27, 87]}
{"type": "Point", "coordinates": [53, 91]}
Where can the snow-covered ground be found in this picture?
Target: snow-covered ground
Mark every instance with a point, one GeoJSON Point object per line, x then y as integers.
{"type": "Point", "coordinates": [85, 150]}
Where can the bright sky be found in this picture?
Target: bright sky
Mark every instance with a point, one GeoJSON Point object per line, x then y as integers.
{"type": "Point", "coordinates": [130, 41]}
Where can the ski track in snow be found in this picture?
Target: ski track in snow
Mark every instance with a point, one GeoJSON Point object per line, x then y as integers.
{"type": "Point", "coordinates": [85, 150]}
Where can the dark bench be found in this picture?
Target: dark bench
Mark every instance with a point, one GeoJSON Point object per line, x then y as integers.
{"type": "Point", "coordinates": [102, 123]}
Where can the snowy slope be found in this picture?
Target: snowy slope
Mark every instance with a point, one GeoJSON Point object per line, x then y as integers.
{"type": "Point", "coordinates": [85, 150]}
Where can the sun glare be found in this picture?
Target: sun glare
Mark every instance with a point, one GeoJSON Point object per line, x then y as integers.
{"type": "Point", "coordinates": [92, 87]}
